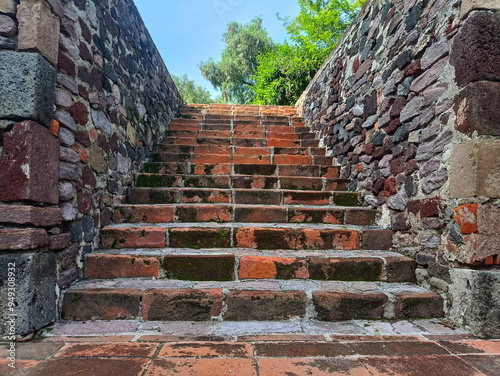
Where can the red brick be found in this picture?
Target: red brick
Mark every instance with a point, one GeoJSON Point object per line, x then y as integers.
{"type": "Point", "coordinates": [101, 304]}
{"type": "Point", "coordinates": [332, 306]}
{"type": "Point", "coordinates": [251, 151]}
{"type": "Point", "coordinates": [377, 239]}
{"type": "Point", "coordinates": [257, 267]}
{"type": "Point", "coordinates": [30, 215]}
{"type": "Point", "coordinates": [418, 305]}
{"type": "Point", "coordinates": [296, 183]}
{"type": "Point", "coordinates": [213, 149]}
{"type": "Point", "coordinates": [102, 266]}
{"type": "Point", "coordinates": [205, 367]}
{"type": "Point", "coordinates": [181, 304]}
{"type": "Point", "coordinates": [23, 239]}
{"type": "Point", "coordinates": [298, 349]}
{"type": "Point", "coordinates": [207, 158]}
{"type": "Point", "coordinates": [141, 237]}
{"type": "Point", "coordinates": [307, 198]}
{"type": "Point", "coordinates": [299, 170]}
{"type": "Point", "coordinates": [205, 213]}
{"type": "Point", "coordinates": [346, 269]}
{"type": "Point", "coordinates": [265, 305]}
{"type": "Point", "coordinates": [252, 159]}
{"type": "Point", "coordinates": [207, 350]}
{"type": "Point", "coordinates": [322, 160]}
{"type": "Point", "coordinates": [254, 182]}
{"type": "Point", "coordinates": [277, 142]}
{"type": "Point", "coordinates": [260, 214]}
{"type": "Point", "coordinates": [216, 134]}
{"type": "Point", "coordinates": [115, 350]}
{"type": "Point", "coordinates": [199, 267]}
{"type": "Point", "coordinates": [257, 197]}
{"type": "Point", "coordinates": [210, 169]}
{"type": "Point", "coordinates": [400, 269]}
{"type": "Point", "coordinates": [29, 165]}
{"type": "Point", "coordinates": [360, 216]}
{"type": "Point", "coordinates": [327, 239]}
{"type": "Point", "coordinates": [200, 237]}
{"type": "Point", "coordinates": [145, 214]}
{"type": "Point", "coordinates": [265, 238]}
{"type": "Point", "coordinates": [279, 129]}
{"type": "Point", "coordinates": [292, 159]}
{"type": "Point", "coordinates": [95, 366]}
{"type": "Point", "coordinates": [213, 196]}
{"type": "Point", "coordinates": [332, 366]}
{"type": "Point", "coordinates": [331, 216]}
{"type": "Point", "coordinates": [59, 241]}
{"type": "Point", "coordinates": [466, 217]}
{"type": "Point", "coordinates": [185, 127]}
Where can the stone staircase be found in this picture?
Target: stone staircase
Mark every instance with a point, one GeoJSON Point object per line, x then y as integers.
{"type": "Point", "coordinates": [240, 216]}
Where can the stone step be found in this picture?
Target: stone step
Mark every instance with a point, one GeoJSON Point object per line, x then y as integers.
{"type": "Point", "coordinates": [244, 264]}
{"type": "Point", "coordinates": [146, 180]}
{"type": "Point", "coordinates": [294, 140]}
{"type": "Point", "coordinates": [240, 196]}
{"type": "Point", "coordinates": [265, 300]}
{"type": "Point", "coordinates": [271, 236]}
{"type": "Point", "coordinates": [223, 213]}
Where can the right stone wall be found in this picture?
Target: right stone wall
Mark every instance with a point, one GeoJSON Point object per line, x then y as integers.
{"type": "Point", "coordinates": [409, 104]}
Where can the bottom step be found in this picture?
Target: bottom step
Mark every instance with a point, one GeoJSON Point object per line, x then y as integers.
{"type": "Point", "coordinates": [265, 300]}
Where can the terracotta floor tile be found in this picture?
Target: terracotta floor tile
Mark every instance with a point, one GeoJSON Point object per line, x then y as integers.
{"type": "Point", "coordinates": [356, 338]}
{"type": "Point", "coordinates": [302, 349]}
{"type": "Point", "coordinates": [397, 348]}
{"type": "Point", "coordinates": [96, 367]}
{"type": "Point", "coordinates": [311, 367]}
{"type": "Point", "coordinates": [473, 347]}
{"type": "Point", "coordinates": [281, 337]}
{"type": "Point", "coordinates": [173, 338]}
{"type": "Point", "coordinates": [217, 349]}
{"type": "Point", "coordinates": [489, 365]}
{"type": "Point", "coordinates": [119, 350]}
{"type": "Point", "coordinates": [449, 337]}
{"type": "Point", "coordinates": [35, 350]}
{"type": "Point", "coordinates": [89, 339]}
{"type": "Point", "coordinates": [202, 367]}
{"type": "Point", "coordinates": [419, 366]}
{"type": "Point", "coordinates": [23, 367]}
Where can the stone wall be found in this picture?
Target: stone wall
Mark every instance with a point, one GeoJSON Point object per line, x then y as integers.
{"type": "Point", "coordinates": [409, 104]}
{"type": "Point", "coordinates": [85, 99]}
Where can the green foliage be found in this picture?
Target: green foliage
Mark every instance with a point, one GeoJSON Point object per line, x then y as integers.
{"type": "Point", "coordinates": [191, 93]}
{"type": "Point", "coordinates": [285, 70]}
{"type": "Point", "coordinates": [233, 73]}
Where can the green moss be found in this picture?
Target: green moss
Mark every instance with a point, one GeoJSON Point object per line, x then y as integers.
{"type": "Point", "coordinates": [346, 199]}
{"type": "Point", "coordinates": [132, 260]}
{"type": "Point", "coordinates": [142, 234]}
{"type": "Point", "coordinates": [156, 181]}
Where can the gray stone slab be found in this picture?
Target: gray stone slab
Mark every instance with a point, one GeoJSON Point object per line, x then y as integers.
{"type": "Point", "coordinates": [27, 87]}
{"type": "Point", "coordinates": [34, 295]}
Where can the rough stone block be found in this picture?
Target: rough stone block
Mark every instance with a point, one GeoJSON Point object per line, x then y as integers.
{"type": "Point", "coordinates": [475, 169]}
{"type": "Point", "coordinates": [30, 215]}
{"type": "Point", "coordinates": [7, 6]}
{"type": "Point", "coordinates": [23, 239]}
{"type": "Point", "coordinates": [38, 29]}
{"type": "Point", "coordinates": [476, 49]}
{"type": "Point", "coordinates": [29, 166]}
{"type": "Point", "coordinates": [35, 296]}
{"type": "Point", "coordinates": [477, 109]}
{"type": "Point", "coordinates": [488, 219]}
{"type": "Point", "coordinates": [470, 5]}
{"type": "Point", "coordinates": [27, 87]}
{"type": "Point", "coordinates": [475, 301]}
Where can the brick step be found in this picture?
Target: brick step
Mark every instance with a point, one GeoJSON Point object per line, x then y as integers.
{"type": "Point", "coordinates": [246, 301]}
{"type": "Point", "coordinates": [239, 150]}
{"type": "Point", "coordinates": [271, 236]}
{"type": "Point", "coordinates": [240, 196]}
{"type": "Point", "coordinates": [243, 264]}
{"type": "Point", "coordinates": [244, 141]}
{"type": "Point", "coordinates": [224, 154]}
{"type": "Point", "coordinates": [241, 182]}
{"type": "Point", "coordinates": [179, 168]}
{"type": "Point", "coordinates": [223, 213]}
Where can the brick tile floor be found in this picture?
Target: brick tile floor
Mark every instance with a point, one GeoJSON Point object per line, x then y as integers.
{"type": "Point", "coordinates": [355, 348]}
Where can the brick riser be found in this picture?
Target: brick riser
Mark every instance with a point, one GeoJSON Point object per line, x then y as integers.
{"type": "Point", "coordinates": [254, 209]}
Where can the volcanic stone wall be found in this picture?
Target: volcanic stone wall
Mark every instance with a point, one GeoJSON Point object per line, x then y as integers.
{"type": "Point", "coordinates": [409, 104]}
{"type": "Point", "coordinates": [85, 97]}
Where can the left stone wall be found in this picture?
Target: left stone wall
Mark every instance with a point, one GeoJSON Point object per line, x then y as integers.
{"type": "Point", "coordinates": [86, 98]}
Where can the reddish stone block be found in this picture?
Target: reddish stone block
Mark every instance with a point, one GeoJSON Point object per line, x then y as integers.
{"type": "Point", "coordinates": [29, 165]}
{"type": "Point", "coordinates": [145, 214]}
{"type": "Point", "coordinates": [430, 207]}
{"type": "Point", "coordinates": [181, 304]}
{"type": "Point", "coordinates": [61, 241]}
{"type": "Point", "coordinates": [265, 238]}
{"type": "Point", "coordinates": [400, 269]}
{"type": "Point", "coordinates": [466, 217]}
{"type": "Point", "coordinates": [30, 215]}
{"type": "Point", "coordinates": [331, 216]}
{"type": "Point", "coordinates": [209, 213]}
{"type": "Point", "coordinates": [199, 267]}
{"type": "Point", "coordinates": [200, 237]}
{"type": "Point", "coordinates": [101, 304]}
{"type": "Point", "coordinates": [79, 113]}
{"type": "Point", "coordinates": [346, 269]}
{"type": "Point", "coordinates": [332, 306]}
{"type": "Point", "coordinates": [140, 237]}
{"type": "Point", "coordinates": [377, 239]}
{"type": "Point", "coordinates": [360, 216]}
{"type": "Point", "coordinates": [257, 267]}
{"type": "Point", "coordinates": [418, 305]}
{"type": "Point", "coordinates": [117, 266]}
{"type": "Point", "coordinates": [23, 239]}
{"type": "Point", "coordinates": [327, 239]}
{"type": "Point", "coordinates": [202, 366]}
{"type": "Point", "coordinates": [265, 305]}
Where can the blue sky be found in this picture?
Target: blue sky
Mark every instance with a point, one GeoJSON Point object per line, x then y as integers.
{"type": "Point", "coordinates": [189, 31]}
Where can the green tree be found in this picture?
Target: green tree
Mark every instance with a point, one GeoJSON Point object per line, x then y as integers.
{"type": "Point", "coordinates": [233, 73]}
{"type": "Point", "coordinates": [285, 70]}
{"type": "Point", "coordinates": [192, 93]}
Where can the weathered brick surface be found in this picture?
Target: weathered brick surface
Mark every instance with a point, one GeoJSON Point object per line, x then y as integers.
{"type": "Point", "coordinates": [199, 267]}
{"type": "Point", "coordinates": [377, 239]}
{"type": "Point", "coordinates": [257, 267]}
{"type": "Point", "coordinates": [327, 239]}
{"type": "Point", "coordinates": [264, 238]}
{"type": "Point", "coordinates": [258, 214]}
{"type": "Point", "coordinates": [265, 305]}
{"type": "Point", "coordinates": [208, 213]}
{"type": "Point", "coordinates": [332, 306]}
{"type": "Point", "coordinates": [30, 215]}
{"type": "Point", "coordinates": [400, 269]}
{"type": "Point", "coordinates": [412, 305]}
{"type": "Point", "coordinates": [101, 304]}
{"type": "Point", "coordinates": [181, 304]}
{"type": "Point", "coordinates": [144, 237]}
{"type": "Point", "coordinates": [345, 269]}
{"type": "Point", "coordinates": [144, 214]}
{"type": "Point", "coordinates": [331, 216]}
{"type": "Point", "coordinates": [199, 237]}
{"type": "Point", "coordinates": [23, 239]}
{"type": "Point", "coordinates": [116, 266]}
